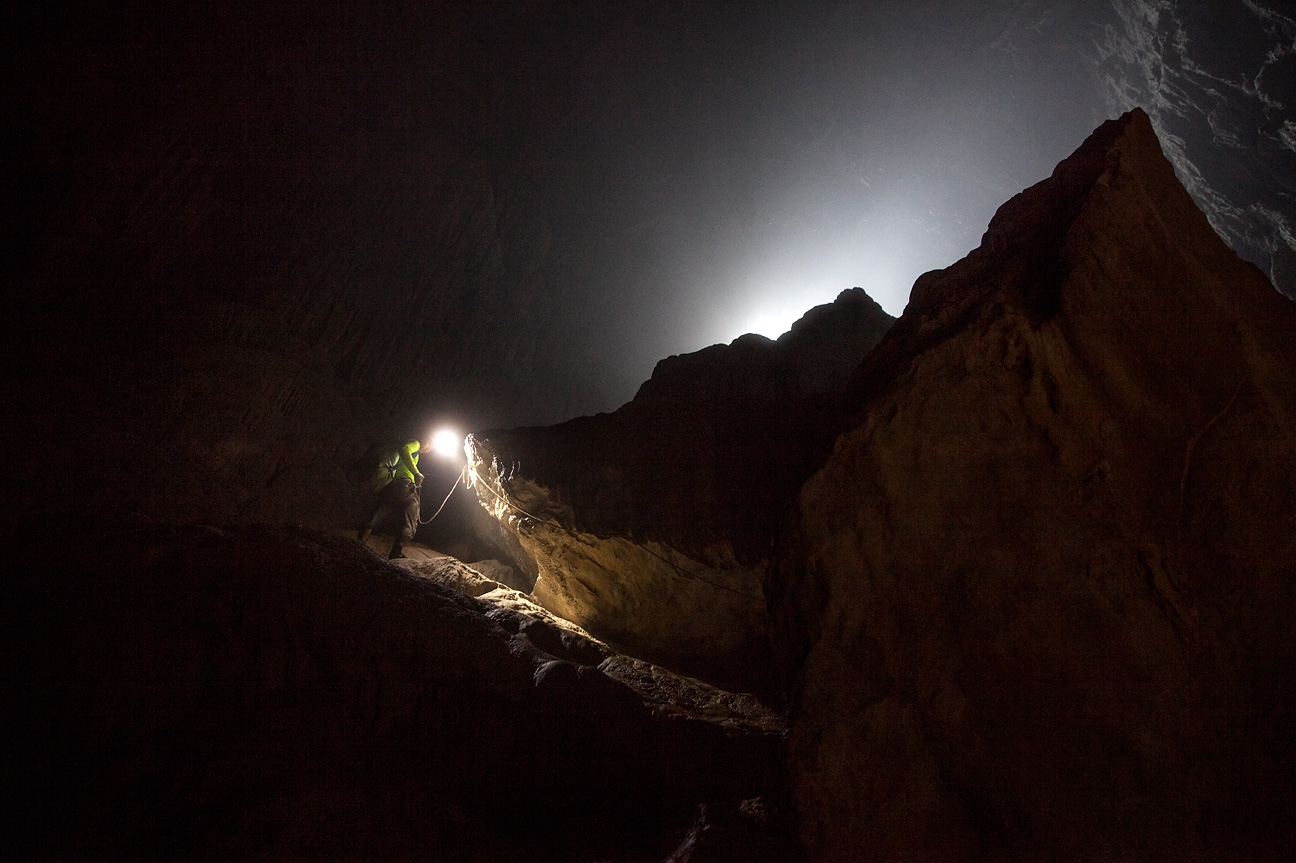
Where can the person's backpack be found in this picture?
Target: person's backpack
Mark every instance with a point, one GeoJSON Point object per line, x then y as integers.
{"type": "Point", "coordinates": [381, 463]}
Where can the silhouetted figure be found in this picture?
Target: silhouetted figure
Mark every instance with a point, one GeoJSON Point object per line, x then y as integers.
{"type": "Point", "coordinates": [398, 500]}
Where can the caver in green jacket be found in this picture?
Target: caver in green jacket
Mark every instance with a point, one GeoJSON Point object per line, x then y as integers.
{"type": "Point", "coordinates": [402, 461]}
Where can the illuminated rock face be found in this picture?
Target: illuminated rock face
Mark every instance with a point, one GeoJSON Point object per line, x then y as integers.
{"type": "Point", "coordinates": [653, 525]}
{"type": "Point", "coordinates": [1037, 604]}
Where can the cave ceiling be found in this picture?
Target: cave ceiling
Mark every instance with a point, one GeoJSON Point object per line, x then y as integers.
{"type": "Point", "coordinates": [512, 211]}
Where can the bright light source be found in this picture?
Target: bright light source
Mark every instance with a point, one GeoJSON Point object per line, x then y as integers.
{"type": "Point", "coordinates": [447, 443]}
{"type": "Point", "coordinates": [773, 319]}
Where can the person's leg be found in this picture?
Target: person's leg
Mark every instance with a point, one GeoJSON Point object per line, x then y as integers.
{"type": "Point", "coordinates": [376, 504]}
{"type": "Point", "coordinates": [408, 518]}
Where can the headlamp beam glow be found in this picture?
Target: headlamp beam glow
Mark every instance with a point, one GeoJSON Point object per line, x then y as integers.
{"type": "Point", "coordinates": [447, 443]}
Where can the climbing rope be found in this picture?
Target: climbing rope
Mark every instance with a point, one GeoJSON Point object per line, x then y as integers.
{"type": "Point", "coordinates": [510, 503]}
{"type": "Point", "coordinates": [458, 479]}
{"type": "Point", "coordinates": [678, 569]}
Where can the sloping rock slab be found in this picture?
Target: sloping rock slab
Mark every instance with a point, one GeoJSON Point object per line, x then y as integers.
{"type": "Point", "coordinates": [278, 694]}
{"type": "Point", "coordinates": [665, 691]}
{"type": "Point", "coordinates": [1038, 604]}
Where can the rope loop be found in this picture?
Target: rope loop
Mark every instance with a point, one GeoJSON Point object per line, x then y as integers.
{"type": "Point", "coordinates": [458, 479]}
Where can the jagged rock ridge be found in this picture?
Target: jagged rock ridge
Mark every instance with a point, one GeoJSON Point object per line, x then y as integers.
{"type": "Point", "coordinates": [1037, 602]}
{"type": "Point", "coordinates": [655, 522]}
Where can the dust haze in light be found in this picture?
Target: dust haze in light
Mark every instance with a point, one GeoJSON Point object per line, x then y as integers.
{"type": "Point", "coordinates": [835, 146]}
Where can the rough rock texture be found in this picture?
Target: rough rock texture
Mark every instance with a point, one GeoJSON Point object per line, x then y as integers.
{"type": "Point", "coordinates": [660, 688]}
{"type": "Point", "coordinates": [261, 694]}
{"type": "Point", "coordinates": [651, 526]}
{"type": "Point", "coordinates": [498, 570]}
{"type": "Point", "coordinates": [1037, 603]}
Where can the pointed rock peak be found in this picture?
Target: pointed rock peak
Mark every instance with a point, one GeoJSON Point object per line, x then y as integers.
{"type": "Point", "coordinates": [817, 355]}
{"type": "Point", "coordinates": [1112, 203]}
{"type": "Point", "coordinates": [1073, 462]}
{"type": "Point", "coordinates": [1046, 209]}
{"type": "Point", "coordinates": [852, 308]}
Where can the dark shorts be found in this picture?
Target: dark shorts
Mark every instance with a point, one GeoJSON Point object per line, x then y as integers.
{"type": "Point", "coordinates": [398, 510]}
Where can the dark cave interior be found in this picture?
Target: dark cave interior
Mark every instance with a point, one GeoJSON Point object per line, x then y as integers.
{"type": "Point", "coordinates": [756, 552]}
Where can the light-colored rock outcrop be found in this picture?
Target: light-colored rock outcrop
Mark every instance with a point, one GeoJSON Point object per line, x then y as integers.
{"type": "Point", "coordinates": [1038, 602]}
{"type": "Point", "coordinates": [652, 526]}
{"type": "Point", "coordinates": [704, 613]}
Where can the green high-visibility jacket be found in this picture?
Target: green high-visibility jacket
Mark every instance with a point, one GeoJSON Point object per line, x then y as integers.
{"type": "Point", "coordinates": [402, 460]}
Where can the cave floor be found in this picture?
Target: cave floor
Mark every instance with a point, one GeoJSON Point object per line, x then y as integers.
{"type": "Point", "coordinates": [665, 691]}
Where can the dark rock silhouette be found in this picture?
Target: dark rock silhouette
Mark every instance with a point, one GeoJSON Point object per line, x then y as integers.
{"type": "Point", "coordinates": [265, 694]}
{"type": "Point", "coordinates": [1037, 603]}
{"type": "Point", "coordinates": [653, 525]}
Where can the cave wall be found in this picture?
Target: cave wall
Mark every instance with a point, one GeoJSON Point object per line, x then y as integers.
{"type": "Point", "coordinates": [460, 210]}
{"type": "Point", "coordinates": [1036, 602]}
{"type": "Point", "coordinates": [255, 243]}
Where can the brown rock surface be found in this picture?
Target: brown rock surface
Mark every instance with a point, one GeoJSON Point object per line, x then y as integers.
{"type": "Point", "coordinates": [1038, 602]}
{"type": "Point", "coordinates": [652, 526]}
{"type": "Point", "coordinates": [263, 694]}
